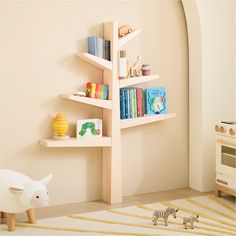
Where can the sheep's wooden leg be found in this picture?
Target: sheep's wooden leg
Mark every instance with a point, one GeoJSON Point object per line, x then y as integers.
{"type": "Point", "coordinates": [31, 216]}
{"type": "Point", "coordinates": [11, 221]}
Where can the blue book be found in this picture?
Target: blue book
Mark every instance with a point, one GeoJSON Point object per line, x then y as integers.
{"type": "Point", "coordinates": [156, 101]}
{"type": "Point", "coordinates": [122, 104]}
{"type": "Point", "coordinates": [126, 103]}
{"type": "Point", "coordinates": [93, 47]}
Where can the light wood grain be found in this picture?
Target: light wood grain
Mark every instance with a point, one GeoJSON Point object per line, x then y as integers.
{"type": "Point", "coordinates": [127, 38]}
{"type": "Point", "coordinates": [31, 216]}
{"type": "Point", "coordinates": [137, 80]}
{"type": "Point", "coordinates": [127, 123]}
{"type": "Point", "coordinates": [96, 61]}
{"type": "Point", "coordinates": [11, 221]}
{"type": "Point", "coordinates": [111, 158]}
{"type": "Point", "coordinates": [220, 188]}
{"type": "Point", "coordinates": [78, 142]}
{"type": "Point", "coordinates": [107, 104]}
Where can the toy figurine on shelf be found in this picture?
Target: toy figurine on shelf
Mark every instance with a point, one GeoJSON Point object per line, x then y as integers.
{"type": "Point", "coordinates": [124, 30]}
{"type": "Point", "coordinates": [135, 70]}
{"type": "Point", "coordinates": [190, 220]}
{"type": "Point", "coordinates": [80, 94]}
{"type": "Point", "coordinates": [60, 127]}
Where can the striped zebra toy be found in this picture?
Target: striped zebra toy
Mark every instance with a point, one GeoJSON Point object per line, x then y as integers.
{"type": "Point", "coordinates": [163, 214]}
{"type": "Point", "coordinates": [190, 220]}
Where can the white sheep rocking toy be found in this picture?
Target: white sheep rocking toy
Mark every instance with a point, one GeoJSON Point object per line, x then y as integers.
{"type": "Point", "coordinates": [19, 193]}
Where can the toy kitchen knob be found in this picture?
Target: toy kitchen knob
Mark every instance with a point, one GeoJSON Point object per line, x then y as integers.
{"type": "Point", "coordinates": [217, 128]}
{"type": "Point", "coordinates": [223, 129]}
{"type": "Point", "coordinates": [232, 131]}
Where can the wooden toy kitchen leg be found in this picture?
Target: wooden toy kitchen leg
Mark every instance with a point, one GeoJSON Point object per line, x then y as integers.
{"type": "Point", "coordinates": [11, 221]}
{"type": "Point", "coordinates": [31, 216]}
{"type": "Point", "coordinates": [217, 191]}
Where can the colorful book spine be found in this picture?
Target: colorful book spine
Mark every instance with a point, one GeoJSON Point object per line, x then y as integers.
{"type": "Point", "coordinates": [122, 104]}
{"type": "Point", "coordinates": [100, 47]}
{"type": "Point", "coordinates": [139, 102]}
{"type": "Point", "coordinates": [93, 45]}
{"type": "Point", "coordinates": [128, 104]}
{"type": "Point", "coordinates": [135, 103]}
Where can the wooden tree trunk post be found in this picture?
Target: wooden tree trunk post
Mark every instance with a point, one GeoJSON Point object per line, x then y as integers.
{"type": "Point", "coordinates": [31, 216]}
{"type": "Point", "coordinates": [11, 221]}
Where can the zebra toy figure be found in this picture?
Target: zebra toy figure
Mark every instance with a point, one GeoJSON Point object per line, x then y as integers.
{"type": "Point", "coordinates": [190, 220]}
{"type": "Point", "coordinates": [164, 214]}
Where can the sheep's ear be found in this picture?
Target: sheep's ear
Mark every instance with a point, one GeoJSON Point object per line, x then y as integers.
{"type": "Point", "coordinates": [46, 180]}
{"type": "Point", "coordinates": [16, 190]}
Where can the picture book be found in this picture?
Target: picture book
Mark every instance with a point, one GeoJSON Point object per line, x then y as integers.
{"type": "Point", "coordinates": [156, 101]}
{"type": "Point", "coordinates": [89, 128]}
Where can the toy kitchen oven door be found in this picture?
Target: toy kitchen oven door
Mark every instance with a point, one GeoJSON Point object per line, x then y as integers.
{"type": "Point", "coordinates": [225, 158]}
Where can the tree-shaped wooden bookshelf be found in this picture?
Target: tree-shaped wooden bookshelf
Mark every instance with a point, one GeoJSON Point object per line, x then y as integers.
{"type": "Point", "coordinates": [112, 125]}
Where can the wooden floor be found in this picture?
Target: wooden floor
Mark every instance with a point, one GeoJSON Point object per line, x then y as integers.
{"type": "Point", "coordinates": [63, 210]}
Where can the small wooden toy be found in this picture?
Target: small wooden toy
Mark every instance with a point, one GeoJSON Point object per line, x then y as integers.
{"type": "Point", "coordinates": [95, 90]}
{"type": "Point", "coordinates": [89, 128]}
{"type": "Point", "coordinates": [191, 220]}
{"type": "Point", "coordinates": [124, 30]}
{"type": "Point", "coordinates": [60, 126]}
{"type": "Point", "coordinates": [20, 193]}
{"type": "Point", "coordinates": [164, 214]}
{"type": "Point", "coordinates": [135, 69]}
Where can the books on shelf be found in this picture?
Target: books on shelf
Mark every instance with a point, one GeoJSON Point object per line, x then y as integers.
{"type": "Point", "coordinates": [135, 102]}
{"type": "Point", "coordinates": [131, 103]}
{"type": "Point", "coordinates": [99, 47]}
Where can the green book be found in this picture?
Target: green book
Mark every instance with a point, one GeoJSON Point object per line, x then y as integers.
{"type": "Point", "coordinates": [135, 103]}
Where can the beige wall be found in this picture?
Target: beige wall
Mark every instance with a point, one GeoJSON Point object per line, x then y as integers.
{"type": "Point", "coordinates": [211, 30]}
{"type": "Point", "coordinates": [40, 40]}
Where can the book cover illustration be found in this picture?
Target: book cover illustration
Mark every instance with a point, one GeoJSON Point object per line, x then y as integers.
{"type": "Point", "coordinates": [89, 128]}
{"type": "Point", "coordinates": [156, 101]}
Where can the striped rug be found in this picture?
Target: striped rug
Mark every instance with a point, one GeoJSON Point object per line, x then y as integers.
{"type": "Point", "coordinates": [216, 217]}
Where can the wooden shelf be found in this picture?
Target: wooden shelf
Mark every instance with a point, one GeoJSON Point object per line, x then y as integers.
{"type": "Point", "coordinates": [137, 80]}
{"type": "Point", "coordinates": [74, 142]}
{"type": "Point", "coordinates": [96, 61]}
{"type": "Point", "coordinates": [124, 40]}
{"type": "Point", "coordinates": [127, 123]}
{"type": "Point", "coordinates": [107, 104]}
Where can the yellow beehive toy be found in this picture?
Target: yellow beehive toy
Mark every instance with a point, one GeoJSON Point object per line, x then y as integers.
{"type": "Point", "coordinates": [60, 126]}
